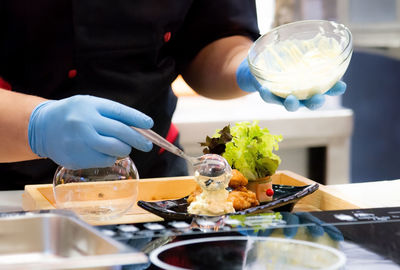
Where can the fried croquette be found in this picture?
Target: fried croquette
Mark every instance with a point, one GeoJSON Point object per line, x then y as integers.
{"type": "Point", "coordinates": [238, 179]}
{"type": "Point", "coordinates": [242, 198]}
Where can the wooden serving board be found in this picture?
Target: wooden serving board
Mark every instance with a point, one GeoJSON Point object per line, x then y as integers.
{"type": "Point", "coordinates": [38, 197]}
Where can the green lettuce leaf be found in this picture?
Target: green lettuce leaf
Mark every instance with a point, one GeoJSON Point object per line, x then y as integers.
{"type": "Point", "coordinates": [251, 150]}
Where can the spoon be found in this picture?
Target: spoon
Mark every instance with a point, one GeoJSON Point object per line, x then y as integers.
{"type": "Point", "coordinates": [208, 165]}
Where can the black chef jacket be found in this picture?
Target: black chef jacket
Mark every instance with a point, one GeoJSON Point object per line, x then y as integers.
{"type": "Point", "coordinates": [123, 50]}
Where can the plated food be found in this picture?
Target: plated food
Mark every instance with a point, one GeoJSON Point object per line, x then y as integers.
{"type": "Point", "coordinates": [212, 199]}
{"type": "Point", "coordinates": [248, 149]}
{"type": "Point", "coordinates": [238, 196]}
{"type": "Point", "coordinates": [284, 199]}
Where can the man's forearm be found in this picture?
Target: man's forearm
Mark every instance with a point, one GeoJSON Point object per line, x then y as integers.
{"type": "Point", "coordinates": [213, 71]}
{"type": "Point", "coordinates": [15, 110]}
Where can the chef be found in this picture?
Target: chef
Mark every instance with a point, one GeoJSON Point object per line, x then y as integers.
{"type": "Point", "coordinates": [76, 74]}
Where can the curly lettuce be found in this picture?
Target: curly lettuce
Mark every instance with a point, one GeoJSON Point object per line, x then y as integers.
{"type": "Point", "coordinates": [248, 148]}
{"type": "Point", "coordinates": [216, 144]}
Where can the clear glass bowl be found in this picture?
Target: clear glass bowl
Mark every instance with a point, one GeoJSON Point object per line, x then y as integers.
{"type": "Point", "coordinates": [303, 58]}
{"type": "Point", "coordinates": [97, 193]}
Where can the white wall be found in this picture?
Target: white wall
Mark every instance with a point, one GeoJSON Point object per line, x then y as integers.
{"type": "Point", "coordinates": [265, 14]}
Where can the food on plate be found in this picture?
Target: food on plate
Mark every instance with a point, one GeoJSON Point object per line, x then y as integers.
{"type": "Point", "coordinates": [262, 188]}
{"type": "Point", "coordinates": [249, 151]}
{"type": "Point", "coordinates": [213, 199]}
{"type": "Point", "coordinates": [211, 204]}
{"type": "Point", "coordinates": [237, 179]}
{"type": "Point", "coordinates": [240, 196]}
{"type": "Point", "coordinates": [248, 148]}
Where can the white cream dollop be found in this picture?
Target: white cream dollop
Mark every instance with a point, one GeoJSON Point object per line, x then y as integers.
{"type": "Point", "coordinates": [211, 203]}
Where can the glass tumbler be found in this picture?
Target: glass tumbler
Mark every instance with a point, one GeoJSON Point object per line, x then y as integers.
{"type": "Point", "coordinates": [97, 193]}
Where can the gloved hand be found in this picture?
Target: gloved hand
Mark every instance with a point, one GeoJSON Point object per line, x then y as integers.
{"type": "Point", "coordinates": [86, 131]}
{"type": "Point", "coordinates": [247, 82]}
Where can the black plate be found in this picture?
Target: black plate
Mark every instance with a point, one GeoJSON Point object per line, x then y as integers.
{"type": "Point", "coordinates": [285, 197]}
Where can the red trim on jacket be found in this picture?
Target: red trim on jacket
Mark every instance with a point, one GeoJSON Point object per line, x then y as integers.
{"type": "Point", "coordinates": [4, 84]}
{"type": "Point", "coordinates": [171, 136]}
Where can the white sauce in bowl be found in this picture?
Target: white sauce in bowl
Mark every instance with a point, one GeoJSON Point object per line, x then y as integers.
{"type": "Point", "coordinates": [302, 68]}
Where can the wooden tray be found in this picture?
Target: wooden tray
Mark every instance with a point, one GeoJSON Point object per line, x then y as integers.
{"type": "Point", "coordinates": [37, 197]}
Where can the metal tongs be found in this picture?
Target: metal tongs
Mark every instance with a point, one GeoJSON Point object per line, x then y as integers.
{"type": "Point", "coordinates": [163, 143]}
{"type": "Point", "coordinates": [205, 164]}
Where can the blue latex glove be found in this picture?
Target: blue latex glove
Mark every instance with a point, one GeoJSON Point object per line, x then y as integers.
{"type": "Point", "coordinates": [247, 82]}
{"type": "Point", "coordinates": [86, 131]}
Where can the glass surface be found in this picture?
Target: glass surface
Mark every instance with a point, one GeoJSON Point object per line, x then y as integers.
{"type": "Point", "coordinates": [97, 193]}
{"type": "Point", "coordinates": [369, 238]}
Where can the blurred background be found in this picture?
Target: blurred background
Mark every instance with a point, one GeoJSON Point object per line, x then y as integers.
{"type": "Point", "coordinates": [353, 138]}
